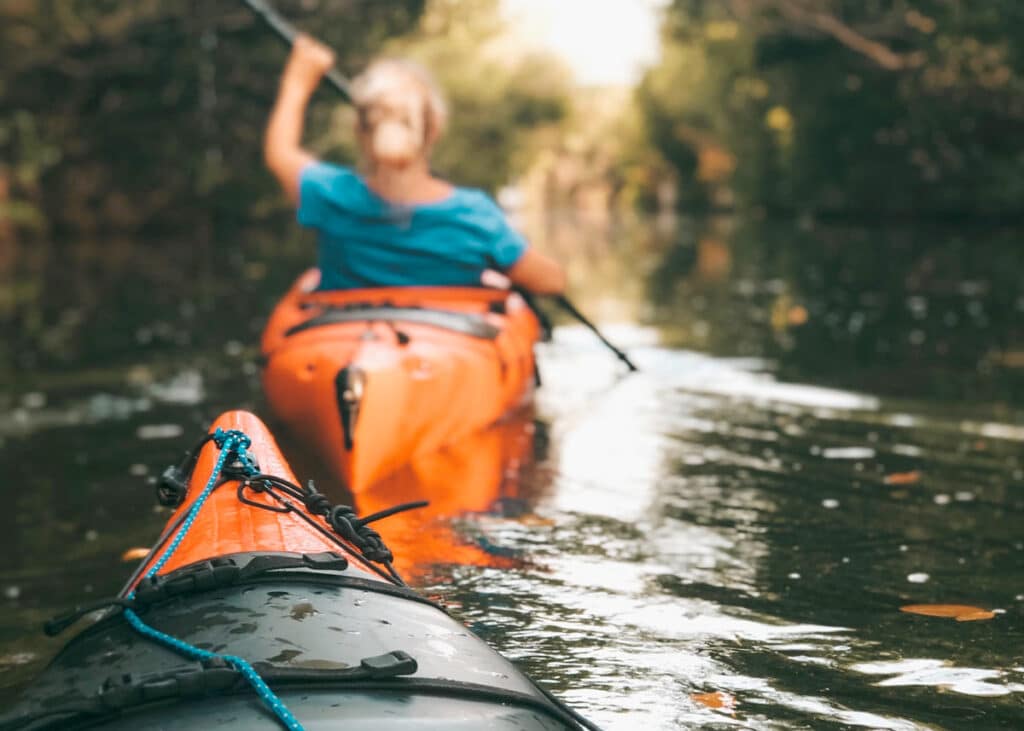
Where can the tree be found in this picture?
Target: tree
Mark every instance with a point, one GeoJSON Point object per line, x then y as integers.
{"type": "Point", "coordinates": [847, 107]}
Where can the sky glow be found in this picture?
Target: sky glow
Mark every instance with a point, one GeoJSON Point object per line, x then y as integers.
{"type": "Point", "coordinates": [602, 41]}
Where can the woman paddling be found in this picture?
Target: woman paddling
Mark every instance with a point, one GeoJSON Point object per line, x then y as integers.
{"type": "Point", "coordinates": [395, 224]}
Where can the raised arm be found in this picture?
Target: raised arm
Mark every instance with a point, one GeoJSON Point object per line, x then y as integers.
{"type": "Point", "coordinates": [282, 143]}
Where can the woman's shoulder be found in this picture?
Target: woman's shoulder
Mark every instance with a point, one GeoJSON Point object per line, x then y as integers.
{"type": "Point", "coordinates": [475, 201]}
{"type": "Point", "coordinates": [329, 176]}
{"type": "Point", "coordinates": [474, 208]}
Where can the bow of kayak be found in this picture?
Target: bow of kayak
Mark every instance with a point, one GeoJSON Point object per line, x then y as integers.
{"type": "Point", "coordinates": [263, 606]}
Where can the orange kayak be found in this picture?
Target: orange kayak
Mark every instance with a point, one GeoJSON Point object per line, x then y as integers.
{"type": "Point", "coordinates": [263, 606]}
{"type": "Point", "coordinates": [373, 378]}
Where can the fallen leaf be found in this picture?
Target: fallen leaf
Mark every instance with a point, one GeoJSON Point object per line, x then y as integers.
{"type": "Point", "coordinates": [134, 554]}
{"type": "Point", "coordinates": [975, 616]}
{"type": "Point", "coordinates": [716, 699]}
{"type": "Point", "coordinates": [959, 612]}
{"type": "Point", "coordinates": [797, 315]}
{"type": "Point", "coordinates": [532, 519]}
{"type": "Point", "coordinates": [903, 478]}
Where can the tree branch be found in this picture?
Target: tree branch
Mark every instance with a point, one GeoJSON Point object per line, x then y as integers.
{"type": "Point", "coordinates": [831, 25]}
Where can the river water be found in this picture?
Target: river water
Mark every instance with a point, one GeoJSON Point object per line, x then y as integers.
{"type": "Point", "coordinates": [827, 425]}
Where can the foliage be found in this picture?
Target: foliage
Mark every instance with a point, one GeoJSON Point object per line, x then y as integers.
{"type": "Point", "coordinates": [499, 95]}
{"type": "Point", "coordinates": [896, 107]}
{"type": "Point", "coordinates": [121, 115]}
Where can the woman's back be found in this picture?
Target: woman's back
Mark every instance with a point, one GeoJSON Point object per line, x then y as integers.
{"type": "Point", "coordinates": [366, 241]}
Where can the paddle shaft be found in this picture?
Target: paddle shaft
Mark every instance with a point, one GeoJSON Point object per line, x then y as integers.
{"type": "Point", "coordinates": [287, 32]}
{"type": "Point", "coordinates": [569, 307]}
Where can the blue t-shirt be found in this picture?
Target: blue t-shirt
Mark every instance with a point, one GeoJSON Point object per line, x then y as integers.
{"type": "Point", "coordinates": [366, 241]}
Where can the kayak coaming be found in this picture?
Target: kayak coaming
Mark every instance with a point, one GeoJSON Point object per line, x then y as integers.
{"type": "Point", "coordinates": [424, 385]}
{"type": "Point", "coordinates": [282, 621]}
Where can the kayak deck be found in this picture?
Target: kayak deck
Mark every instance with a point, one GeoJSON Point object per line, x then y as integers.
{"type": "Point", "coordinates": [372, 379]}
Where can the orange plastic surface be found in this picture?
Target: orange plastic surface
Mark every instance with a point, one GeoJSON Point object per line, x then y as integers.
{"type": "Point", "coordinates": [470, 477]}
{"type": "Point", "coordinates": [434, 390]}
{"type": "Point", "coordinates": [225, 525]}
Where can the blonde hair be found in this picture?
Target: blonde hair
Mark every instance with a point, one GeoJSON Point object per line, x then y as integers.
{"type": "Point", "coordinates": [396, 82]}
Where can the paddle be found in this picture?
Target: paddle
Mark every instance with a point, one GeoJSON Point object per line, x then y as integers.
{"type": "Point", "coordinates": [568, 306]}
{"type": "Point", "coordinates": [287, 32]}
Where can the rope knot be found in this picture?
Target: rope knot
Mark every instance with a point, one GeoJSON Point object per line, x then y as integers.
{"type": "Point", "coordinates": [235, 443]}
{"type": "Point", "coordinates": [317, 503]}
{"type": "Point", "coordinates": [240, 441]}
{"type": "Point", "coordinates": [346, 524]}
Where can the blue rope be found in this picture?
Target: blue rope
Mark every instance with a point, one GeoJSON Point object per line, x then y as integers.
{"type": "Point", "coordinates": [229, 442]}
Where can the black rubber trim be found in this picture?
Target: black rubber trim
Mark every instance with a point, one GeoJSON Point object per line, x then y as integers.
{"type": "Point", "coordinates": [464, 323]}
{"type": "Point", "coordinates": [309, 575]}
{"type": "Point", "coordinates": [88, 711]}
{"type": "Point", "coordinates": [347, 412]}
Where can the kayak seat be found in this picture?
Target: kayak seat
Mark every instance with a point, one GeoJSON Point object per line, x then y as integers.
{"type": "Point", "coordinates": [463, 323]}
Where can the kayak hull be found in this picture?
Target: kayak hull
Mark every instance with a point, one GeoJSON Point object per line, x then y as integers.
{"type": "Point", "coordinates": [374, 378]}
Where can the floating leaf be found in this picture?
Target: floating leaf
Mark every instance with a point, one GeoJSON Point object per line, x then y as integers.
{"type": "Point", "coordinates": [134, 554]}
{"type": "Point", "coordinates": [716, 699]}
{"type": "Point", "coordinates": [903, 478]}
{"type": "Point", "coordinates": [797, 315]}
{"type": "Point", "coordinates": [975, 616]}
{"type": "Point", "coordinates": [959, 612]}
{"type": "Point", "coordinates": [532, 519]}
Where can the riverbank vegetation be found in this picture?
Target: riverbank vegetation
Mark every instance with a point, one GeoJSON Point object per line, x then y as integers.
{"type": "Point", "coordinates": [868, 109]}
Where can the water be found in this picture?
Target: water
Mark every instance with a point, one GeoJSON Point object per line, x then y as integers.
{"type": "Point", "coordinates": [828, 425]}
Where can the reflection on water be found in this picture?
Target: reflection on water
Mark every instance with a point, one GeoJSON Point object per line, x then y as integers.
{"type": "Point", "coordinates": [479, 479]}
{"type": "Point", "coordinates": [827, 426]}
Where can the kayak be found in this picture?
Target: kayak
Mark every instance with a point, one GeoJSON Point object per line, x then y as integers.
{"type": "Point", "coordinates": [263, 606]}
{"type": "Point", "coordinates": [372, 378]}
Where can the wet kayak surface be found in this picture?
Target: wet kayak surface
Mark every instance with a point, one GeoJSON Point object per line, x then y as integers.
{"type": "Point", "coordinates": [828, 426]}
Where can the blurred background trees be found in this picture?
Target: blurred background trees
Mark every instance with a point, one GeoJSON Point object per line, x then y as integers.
{"type": "Point", "coordinates": [128, 115]}
{"type": "Point", "coordinates": [130, 165]}
{"type": "Point", "coordinates": [870, 108]}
